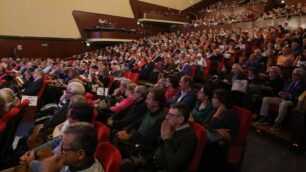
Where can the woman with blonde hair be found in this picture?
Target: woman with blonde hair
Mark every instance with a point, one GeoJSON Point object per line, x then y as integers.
{"type": "Point", "coordinates": [9, 98]}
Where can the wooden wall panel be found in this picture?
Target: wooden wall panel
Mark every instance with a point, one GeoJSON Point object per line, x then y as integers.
{"type": "Point", "coordinates": [43, 47]}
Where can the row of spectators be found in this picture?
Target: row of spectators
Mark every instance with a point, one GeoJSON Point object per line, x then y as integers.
{"type": "Point", "coordinates": [271, 61]}
{"type": "Point", "coordinates": [222, 4]}
{"type": "Point", "coordinates": [286, 11]}
{"type": "Point", "coordinates": [221, 19]}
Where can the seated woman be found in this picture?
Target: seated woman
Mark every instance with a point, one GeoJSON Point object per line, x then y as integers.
{"type": "Point", "coordinates": [172, 84]}
{"type": "Point", "coordinates": [203, 110]}
{"type": "Point", "coordinates": [9, 98]}
{"type": "Point", "coordinates": [221, 130]}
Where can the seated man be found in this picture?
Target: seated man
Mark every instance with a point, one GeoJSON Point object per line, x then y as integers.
{"type": "Point", "coordinates": [76, 153]}
{"type": "Point", "coordinates": [77, 113]}
{"type": "Point", "coordinates": [287, 99]}
{"type": "Point", "coordinates": [177, 149]}
{"type": "Point", "coordinates": [148, 131]}
{"type": "Point", "coordinates": [186, 94]}
{"type": "Point", "coordinates": [32, 87]}
{"type": "Point", "coordinates": [59, 116]}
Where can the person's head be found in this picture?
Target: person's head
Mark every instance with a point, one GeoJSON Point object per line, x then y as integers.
{"type": "Point", "coordinates": [236, 68]}
{"type": "Point", "coordinates": [295, 45]}
{"type": "Point", "coordinates": [74, 88]}
{"type": "Point", "coordinates": [139, 93]}
{"type": "Point", "coordinates": [172, 81]}
{"type": "Point", "coordinates": [38, 73]}
{"type": "Point", "coordinates": [298, 74]}
{"type": "Point", "coordinates": [130, 89]}
{"type": "Point", "coordinates": [205, 93]}
{"type": "Point", "coordinates": [78, 144]}
{"type": "Point", "coordinates": [274, 72]}
{"type": "Point", "coordinates": [178, 115]}
{"type": "Point", "coordinates": [185, 83]}
{"type": "Point", "coordinates": [155, 99]}
{"type": "Point", "coordinates": [9, 98]}
{"type": "Point", "coordinates": [123, 85]}
{"type": "Point", "coordinates": [79, 112]}
{"type": "Point", "coordinates": [74, 73]}
{"type": "Point", "coordinates": [222, 97]}
{"type": "Point", "coordinates": [77, 99]}
{"type": "Point", "coordinates": [285, 50]}
{"type": "Point", "coordinates": [161, 83]}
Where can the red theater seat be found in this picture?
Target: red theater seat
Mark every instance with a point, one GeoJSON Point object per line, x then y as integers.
{"type": "Point", "coordinates": [237, 149]}
{"type": "Point", "coordinates": [201, 142]}
{"type": "Point", "coordinates": [103, 131]}
{"type": "Point", "coordinates": [109, 156]}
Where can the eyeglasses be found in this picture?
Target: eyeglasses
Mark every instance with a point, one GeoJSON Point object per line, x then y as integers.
{"type": "Point", "coordinates": [66, 150]}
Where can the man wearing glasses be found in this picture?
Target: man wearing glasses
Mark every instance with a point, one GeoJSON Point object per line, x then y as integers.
{"type": "Point", "coordinates": [80, 112]}
{"type": "Point", "coordinates": [178, 143]}
{"type": "Point", "coordinates": [76, 153]}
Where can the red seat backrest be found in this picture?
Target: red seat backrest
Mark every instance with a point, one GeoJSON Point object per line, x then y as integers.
{"type": "Point", "coordinates": [2, 126]}
{"type": "Point", "coordinates": [11, 114]}
{"type": "Point", "coordinates": [244, 116]}
{"type": "Point", "coordinates": [103, 131]}
{"type": "Point", "coordinates": [192, 72]}
{"type": "Point", "coordinates": [94, 115]}
{"type": "Point", "coordinates": [109, 156]}
{"type": "Point", "coordinates": [42, 89]}
{"type": "Point", "coordinates": [237, 148]}
{"type": "Point", "coordinates": [127, 74]}
{"type": "Point", "coordinates": [111, 79]}
{"type": "Point", "coordinates": [134, 77]}
{"type": "Point", "coordinates": [206, 69]}
{"type": "Point", "coordinates": [201, 142]}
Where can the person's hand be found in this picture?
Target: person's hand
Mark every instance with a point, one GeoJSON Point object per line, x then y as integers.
{"type": "Point", "coordinates": [226, 81]}
{"type": "Point", "coordinates": [165, 131]}
{"type": "Point", "coordinates": [110, 122]}
{"type": "Point", "coordinates": [284, 95]}
{"type": "Point", "coordinates": [225, 133]}
{"type": "Point", "coordinates": [52, 164]}
{"type": "Point", "coordinates": [27, 158]}
{"type": "Point", "coordinates": [123, 135]}
{"type": "Point", "coordinates": [219, 111]}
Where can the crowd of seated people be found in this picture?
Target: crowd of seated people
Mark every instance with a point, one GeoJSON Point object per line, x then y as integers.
{"type": "Point", "coordinates": [230, 4]}
{"type": "Point", "coordinates": [221, 19]}
{"type": "Point", "coordinates": [271, 61]}
{"type": "Point", "coordinates": [286, 11]}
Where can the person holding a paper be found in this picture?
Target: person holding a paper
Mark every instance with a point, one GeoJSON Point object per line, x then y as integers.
{"type": "Point", "coordinates": [236, 74]}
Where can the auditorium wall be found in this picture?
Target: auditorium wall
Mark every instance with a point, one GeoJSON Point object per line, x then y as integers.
{"type": "Point", "coordinates": [52, 18]}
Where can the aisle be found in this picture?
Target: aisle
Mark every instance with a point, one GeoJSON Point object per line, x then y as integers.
{"type": "Point", "coordinates": [264, 154]}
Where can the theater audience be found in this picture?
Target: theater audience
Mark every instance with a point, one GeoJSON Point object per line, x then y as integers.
{"type": "Point", "coordinates": [286, 99]}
